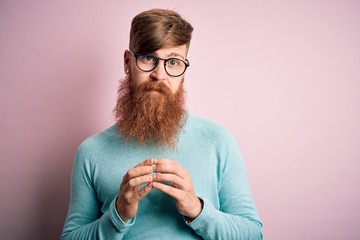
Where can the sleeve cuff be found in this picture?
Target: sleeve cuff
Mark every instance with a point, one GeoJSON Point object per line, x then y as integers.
{"type": "Point", "coordinates": [204, 217]}
{"type": "Point", "coordinates": [116, 220]}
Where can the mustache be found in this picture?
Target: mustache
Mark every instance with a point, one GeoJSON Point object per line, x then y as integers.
{"type": "Point", "coordinates": [155, 86]}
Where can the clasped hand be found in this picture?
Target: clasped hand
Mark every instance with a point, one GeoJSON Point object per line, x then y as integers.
{"type": "Point", "coordinates": [166, 171]}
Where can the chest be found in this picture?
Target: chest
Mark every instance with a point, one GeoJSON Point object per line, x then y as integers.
{"type": "Point", "coordinates": [201, 162]}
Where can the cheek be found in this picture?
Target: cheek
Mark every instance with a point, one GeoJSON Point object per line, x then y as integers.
{"type": "Point", "coordinates": [174, 88]}
{"type": "Point", "coordinates": [140, 77]}
{"type": "Point", "coordinates": [175, 84]}
{"type": "Point", "coordinates": [137, 75]}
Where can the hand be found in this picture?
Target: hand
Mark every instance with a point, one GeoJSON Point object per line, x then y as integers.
{"type": "Point", "coordinates": [130, 193]}
{"type": "Point", "coordinates": [181, 189]}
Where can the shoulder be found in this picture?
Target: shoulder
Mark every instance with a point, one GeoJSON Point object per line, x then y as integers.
{"type": "Point", "coordinates": [206, 126]}
{"type": "Point", "coordinates": [97, 142]}
{"type": "Point", "coordinates": [89, 151]}
{"type": "Point", "coordinates": [209, 129]}
{"type": "Point", "coordinates": [214, 136]}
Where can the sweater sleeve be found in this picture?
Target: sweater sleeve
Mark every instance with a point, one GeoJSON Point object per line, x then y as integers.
{"type": "Point", "coordinates": [237, 217]}
{"type": "Point", "coordinates": [85, 219]}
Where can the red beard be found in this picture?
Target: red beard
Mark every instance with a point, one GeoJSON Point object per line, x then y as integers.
{"type": "Point", "coordinates": [147, 117]}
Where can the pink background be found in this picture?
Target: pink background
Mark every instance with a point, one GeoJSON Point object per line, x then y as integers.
{"type": "Point", "coordinates": [282, 75]}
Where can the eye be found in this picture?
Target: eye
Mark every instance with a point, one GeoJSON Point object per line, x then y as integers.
{"type": "Point", "coordinates": [148, 59]}
{"type": "Point", "coordinates": [173, 62]}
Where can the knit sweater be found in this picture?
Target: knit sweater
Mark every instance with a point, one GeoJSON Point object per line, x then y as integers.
{"type": "Point", "coordinates": [206, 150]}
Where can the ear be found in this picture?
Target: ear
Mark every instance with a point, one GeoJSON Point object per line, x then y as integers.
{"type": "Point", "coordinates": [127, 56]}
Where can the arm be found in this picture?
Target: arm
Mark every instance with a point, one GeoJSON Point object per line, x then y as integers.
{"type": "Point", "coordinates": [84, 219]}
{"type": "Point", "coordinates": [237, 217]}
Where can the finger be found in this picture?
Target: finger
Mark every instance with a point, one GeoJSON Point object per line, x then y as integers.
{"type": "Point", "coordinates": [169, 190]}
{"type": "Point", "coordinates": [163, 160]}
{"type": "Point", "coordinates": [137, 172]}
{"type": "Point", "coordinates": [129, 197]}
{"type": "Point", "coordinates": [171, 168]}
{"type": "Point", "coordinates": [147, 162]}
{"type": "Point", "coordinates": [173, 179]}
{"type": "Point", "coordinates": [136, 182]}
{"type": "Point", "coordinates": [144, 191]}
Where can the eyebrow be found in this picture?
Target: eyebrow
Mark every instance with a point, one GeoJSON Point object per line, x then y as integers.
{"type": "Point", "coordinates": [174, 54]}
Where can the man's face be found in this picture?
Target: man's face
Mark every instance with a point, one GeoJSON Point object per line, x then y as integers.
{"type": "Point", "coordinates": [158, 74]}
{"type": "Point", "coordinates": [151, 107]}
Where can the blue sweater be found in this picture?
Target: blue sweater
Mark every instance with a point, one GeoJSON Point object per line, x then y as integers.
{"type": "Point", "coordinates": [205, 149]}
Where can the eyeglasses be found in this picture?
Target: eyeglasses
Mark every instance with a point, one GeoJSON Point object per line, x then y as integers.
{"type": "Point", "coordinates": [174, 67]}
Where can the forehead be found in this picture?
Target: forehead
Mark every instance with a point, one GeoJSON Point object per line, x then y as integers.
{"type": "Point", "coordinates": [166, 52]}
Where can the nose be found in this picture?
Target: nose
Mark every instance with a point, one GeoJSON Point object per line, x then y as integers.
{"type": "Point", "coordinates": [159, 72]}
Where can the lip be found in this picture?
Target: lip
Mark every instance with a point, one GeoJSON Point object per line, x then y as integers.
{"type": "Point", "coordinates": [155, 90]}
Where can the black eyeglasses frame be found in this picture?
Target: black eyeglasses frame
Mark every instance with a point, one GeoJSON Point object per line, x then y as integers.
{"type": "Point", "coordinates": [136, 55]}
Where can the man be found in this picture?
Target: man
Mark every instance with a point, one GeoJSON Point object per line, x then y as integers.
{"type": "Point", "coordinates": [159, 172]}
